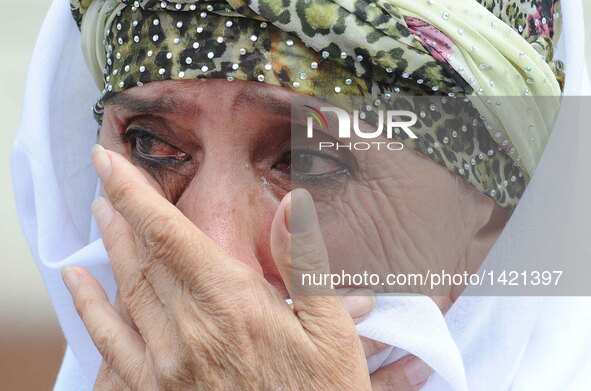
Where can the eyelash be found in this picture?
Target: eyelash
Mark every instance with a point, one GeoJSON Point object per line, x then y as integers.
{"type": "Point", "coordinates": [326, 178]}
{"type": "Point", "coordinates": [131, 136]}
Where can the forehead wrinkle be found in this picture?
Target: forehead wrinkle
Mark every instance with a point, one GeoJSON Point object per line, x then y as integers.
{"type": "Point", "coordinates": [161, 105]}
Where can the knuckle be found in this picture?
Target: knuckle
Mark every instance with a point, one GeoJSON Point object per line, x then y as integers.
{"type": "Point", "coordinates": [176, 374]}
{"type": "Point", "coordinates": [86, 306]}
{"type": "Point", "coordinates": [161, 243]}
{"type": "Point", "coordinates": [160, 234]}
{"type": "Point", "coordinates": [137, 297]}
{"type": "Point", "coordinates": [121, 193]}
{"type": "Point", "coordinates": [254, 308]}
{"type": "Point", "coordinates": [104, 341]}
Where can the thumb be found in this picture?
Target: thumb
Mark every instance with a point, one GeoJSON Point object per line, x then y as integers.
{"type": "Point", "coordinates": [297, 245]}
{"type": "Point", "coordinates": [300, 254]}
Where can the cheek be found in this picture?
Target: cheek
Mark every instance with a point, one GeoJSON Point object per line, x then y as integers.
{"type": "Point", "coordinates": [397, 224]}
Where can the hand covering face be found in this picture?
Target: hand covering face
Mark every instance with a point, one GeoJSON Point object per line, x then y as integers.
{"type": "Point", "coordinates": [378, 49]}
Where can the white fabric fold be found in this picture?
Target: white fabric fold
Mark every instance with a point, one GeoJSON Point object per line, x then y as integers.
{"type": "Point", "coordinates": [414, 324]}
{"type": "Point", "coordinates": [483, 343]}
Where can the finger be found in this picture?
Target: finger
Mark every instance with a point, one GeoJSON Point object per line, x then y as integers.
{"type": "Point", "coordinates": [121, 347]}
{"type": "Point", "coordinates": [121, 309]}
{"type": "Point", "coordinates": [371, 346]}
{"type": "Point", "coordinates": [301, 254]}
{"type": "Point", "coordinates": [158, 224]}
{"type": "Point", "coordinates": [357, 302]}
{"type": "Point", "coordinates": [135, 292]}
{"type": "Point", "coordinates": [407, 374]}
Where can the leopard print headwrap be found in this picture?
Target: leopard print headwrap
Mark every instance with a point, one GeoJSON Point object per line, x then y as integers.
{"type": "Point", "coordinates": [377, 48]}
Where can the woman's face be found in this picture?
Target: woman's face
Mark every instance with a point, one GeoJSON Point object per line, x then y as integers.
{"type": "Point", "coordinates": [223, 153]}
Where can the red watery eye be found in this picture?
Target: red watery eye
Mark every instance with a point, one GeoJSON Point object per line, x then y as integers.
{"type": "Point", "coordinates": [151, 147]}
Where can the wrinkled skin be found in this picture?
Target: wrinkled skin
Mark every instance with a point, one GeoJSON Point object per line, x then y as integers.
{"type": "Point", "coordinates": [396, 211]}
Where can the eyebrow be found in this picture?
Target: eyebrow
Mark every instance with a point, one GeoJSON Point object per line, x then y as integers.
{"type": "Point", "coordinates": [260, 98]}
{"type": "Point", "coordinates": [253, 97]}
{"type": "Point", "coordinates": [164, 104]}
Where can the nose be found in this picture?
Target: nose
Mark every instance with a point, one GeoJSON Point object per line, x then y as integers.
{"type": "Point", "coordinates": [227, 200]}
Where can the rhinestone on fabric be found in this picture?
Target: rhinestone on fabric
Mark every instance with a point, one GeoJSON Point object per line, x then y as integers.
{"type": "Point", "coordinates": [216, 42]}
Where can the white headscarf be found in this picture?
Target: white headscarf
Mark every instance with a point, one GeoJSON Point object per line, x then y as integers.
{"type": "Point", "coordinates": [483, 343]}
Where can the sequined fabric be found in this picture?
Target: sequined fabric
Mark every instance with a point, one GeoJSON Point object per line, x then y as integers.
{"type": "Point", "coordinates": [378, 49]}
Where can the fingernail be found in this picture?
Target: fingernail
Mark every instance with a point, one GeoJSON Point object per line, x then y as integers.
{"type": "Point", "coordinates": [103, 212]}
{"type": "Point", "coordinates": [102, 162]}
{"type": "Point", "coordinates": [359, 302]}
{"type": "Point", "coordinates": [416, 371]}
{"type": "Point", "coordinates": [301, 216]}
{"type": "Point", "coordinates": [70, 278]}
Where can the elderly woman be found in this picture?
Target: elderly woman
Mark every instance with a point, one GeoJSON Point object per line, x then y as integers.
{"type": "Point", "coordinates": [202, 140]}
